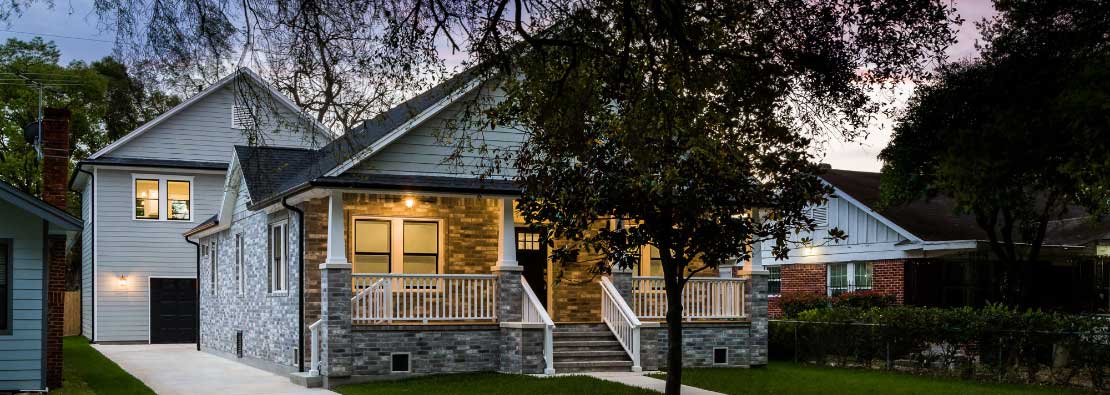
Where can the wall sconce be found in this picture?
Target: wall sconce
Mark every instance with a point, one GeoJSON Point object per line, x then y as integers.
{"type": "Point", "coordinates": [123, 281]}
{"type": "Point", "coordinates": [409, 202]}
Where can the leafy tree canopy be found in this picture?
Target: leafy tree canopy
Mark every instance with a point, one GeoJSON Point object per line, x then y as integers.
{"type": "Point", "coordinates": [1018, 137]}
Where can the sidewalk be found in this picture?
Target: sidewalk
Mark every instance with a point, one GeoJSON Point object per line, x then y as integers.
{"type": "Point", "coordinates": [640, 380]}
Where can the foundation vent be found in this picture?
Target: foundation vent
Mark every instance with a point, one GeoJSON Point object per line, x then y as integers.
{"type": "Point", "coordinates": [720, 355]}
{"type": "Point", "coordinates": [239, 344]}
{"type": "Point", "coordinates": [400, 363]}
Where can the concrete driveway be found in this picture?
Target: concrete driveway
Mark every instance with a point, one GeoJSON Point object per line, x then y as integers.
{"type": "Point", "coordinates": [171, 369]}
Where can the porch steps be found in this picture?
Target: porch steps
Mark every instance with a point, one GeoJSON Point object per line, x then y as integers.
{"type": "Point", "coordinates": [588, 348]}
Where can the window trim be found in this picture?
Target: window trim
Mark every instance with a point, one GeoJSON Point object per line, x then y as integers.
{"type": "Point", "coordinates": [777, 280]}
{"type": "Point", "coordinates": [240, 273]}
{"type": "Point", "coordinates": [163, 198]}
{"type": "Point", "coordinates": [8, 329]}
{"type": "Point", "coordinates": [851, 277]}
{"type": "Point", "coordinates": [397, 242]}
{"type": "Point", "coordinates": [283, 267]}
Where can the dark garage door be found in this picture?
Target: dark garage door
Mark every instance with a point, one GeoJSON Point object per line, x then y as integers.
{"type": "Point", "coordinates": [173, 310]}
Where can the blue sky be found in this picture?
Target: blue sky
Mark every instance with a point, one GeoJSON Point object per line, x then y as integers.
{"type": "Point", "coordinates": [73, 26]}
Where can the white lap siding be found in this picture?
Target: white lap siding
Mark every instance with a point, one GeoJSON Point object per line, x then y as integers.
{"type": "Point", "coordinates": [267, 320]}
{"type": "Point", "coordinates": [86, 261]}
{"type": "Point", "coordinates": [140, 249]}
{"type": "Point", "coordinates": [21, 351]}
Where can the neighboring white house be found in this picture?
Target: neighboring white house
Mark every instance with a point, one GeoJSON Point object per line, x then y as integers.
{"type": "Point", "coordinates": [141, 192]}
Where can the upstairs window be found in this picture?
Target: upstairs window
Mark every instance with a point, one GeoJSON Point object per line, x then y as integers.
{"type": "Point", "coordinates": [146, 199]}
{"type": "Point", "coordinates": [178, 200]}
{"type": "Point", "coordinates": [152, 192]}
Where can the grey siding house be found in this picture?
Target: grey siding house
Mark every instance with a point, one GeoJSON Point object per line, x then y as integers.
{"type": "Point", "coordinates": [382, 255]}
{"type": "Point", "coordinates": [25, 256]}
{"type": "Point", "coordinates": [141, 192]}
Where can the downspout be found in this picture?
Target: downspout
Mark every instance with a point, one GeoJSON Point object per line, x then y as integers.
{"type": "Point", "coordinates": [196, 322]}
{"type": "Point", "coordinates": [300, 281]}
{"type": "Point", "coordinates": [92, 251]}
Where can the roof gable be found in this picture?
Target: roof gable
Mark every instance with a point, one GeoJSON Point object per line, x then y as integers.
{"type": "Point", "coordinates": [36, 206]}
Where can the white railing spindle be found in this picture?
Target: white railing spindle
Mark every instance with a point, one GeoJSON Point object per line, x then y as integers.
{"type": "Point", "coordinates": [314, 361]}
{"type": "Point", "coordinates": [423, 297]}
{"type": "Point", "coordinates": [702, 298]}
{"type": "Point", "coordinates": [621, 321]}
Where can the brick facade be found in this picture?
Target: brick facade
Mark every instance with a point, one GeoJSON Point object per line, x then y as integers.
{"type": "Point", "coordinates": [888, 277]}
{"type": "Point", "coordinates": [56, 287]}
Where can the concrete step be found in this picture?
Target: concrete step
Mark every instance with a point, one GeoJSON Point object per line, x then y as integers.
{"type": "Point", "coordinates": [305, 380]}
{"type": "Point", "coordinates": [592, 366]}
{"type": "Point", "coordinates": [568, 335]}
{"type": "Point", "coordinates": [590, 355]}
{"type": "Point", "coordinates": [586, 345]}
{"type": "Point", "coordinates": [580, 327]}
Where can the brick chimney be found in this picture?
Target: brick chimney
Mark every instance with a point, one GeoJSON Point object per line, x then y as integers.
{"type": "Point", "coordinates": [55, 174]}
{"type": "Point", "coordinates": [55, 156]}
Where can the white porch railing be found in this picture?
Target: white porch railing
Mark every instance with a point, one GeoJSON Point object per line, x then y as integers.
{"type": "Point", "coordinates": [534, 313]}
{"type": "Point", "coordinates": [702, 298]}
{"type": "Point", "coordinates": [621, 321]}
{"type": "Point", "coordinates": [383, 298]}
{"type": "Point", "coordinates": [314, 364]}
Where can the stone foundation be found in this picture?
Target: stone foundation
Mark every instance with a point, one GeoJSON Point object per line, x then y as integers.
{"type": "Point", "coordinates": [433, 349]}
{"type": "Point", "coordinates": [698, 342]}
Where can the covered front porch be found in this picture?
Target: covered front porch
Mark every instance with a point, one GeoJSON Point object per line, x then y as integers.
{"type": "Point", "coordinates": [461, 276]}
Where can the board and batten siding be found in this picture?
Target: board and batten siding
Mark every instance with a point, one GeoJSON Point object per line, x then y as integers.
{"type": "Point", "coordinates": [21, 352]}
{"type": "Point", "coordinates": [424, 150]}
{"type": "Point", "coordinates": [86, 261]}
{"type": "Point", "coordinates": [864, 231]}
{"type": "Point", "coordinates": [203, 132]}
{"type": "Point", "coordinates": [140, 249]}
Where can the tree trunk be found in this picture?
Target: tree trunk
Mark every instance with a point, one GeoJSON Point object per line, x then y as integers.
{"type": "Point", "coordinates": [674, 337]}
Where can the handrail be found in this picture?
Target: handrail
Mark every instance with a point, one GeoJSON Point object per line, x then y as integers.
{"type": "Point", "coordinates": [621, 320]}
{"type": "Point", "coordinates": [395, 275]}
{"type": "Point", "coordinates": [314, 367]}
{"type": "Point", "coordinates": [534, 312]}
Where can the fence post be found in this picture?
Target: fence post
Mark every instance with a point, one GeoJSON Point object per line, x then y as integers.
{"type": "Point", "coordinates": [1001, 365]}
{"type": "Point", "coordinates": [795, 341]}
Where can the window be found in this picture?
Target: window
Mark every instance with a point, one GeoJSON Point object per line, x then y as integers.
{"type": "Point", "coordinates": [277, 269]}
{"type": "Point", "coordinates": [421, 247]}
{"type": "Point", "coordinates": [655, 263]}
{"type": "Point", "coordinates": [214, 257]}
{"type": "Point", "coordinates": [6, 293]}
{"type": "Point", "coordinates": [774, 280]}
{"type": "Point", "coordinates": [649, 265]}
{"type": "Point", "coordinates": [849, 277]}
{"type": "Point", "coordinates": [395, 245]}
{"type": "Point", "coordinates": [177, 200]}
{"type": "Point", "coordinates": [239, 275]}
{"type": "Point", "coordinates": [372, 246]}
{"type": "Point", "coordinates": [153, 192]}
{"type": "Point", "coordinates": [146, 199]}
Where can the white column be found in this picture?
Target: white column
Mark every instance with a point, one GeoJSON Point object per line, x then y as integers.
{"type": "Point", "coordinates": [337, 240]}
{"type": "Point", "coordinates": [755, 265]}
{"type": "Point", "coordinates": [506, 238]}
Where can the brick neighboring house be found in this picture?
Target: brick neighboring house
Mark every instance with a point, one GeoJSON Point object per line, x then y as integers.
{"type": "Point", "coordinates": [925, 255]}
{"type": "Point", "coordinates": [375, 256]}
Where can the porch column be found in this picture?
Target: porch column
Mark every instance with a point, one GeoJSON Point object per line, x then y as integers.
{"type": "Point", "coordinates": [622, 280]}
{"type": "Point", "coordinates": [508, 270]}
{"type": "Point", "coordinates": [335, 292]}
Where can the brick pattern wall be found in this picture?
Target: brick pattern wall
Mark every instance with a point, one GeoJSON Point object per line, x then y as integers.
{"type": "Point", "coordinates": [434, 349]}
{"type": "Point", "coordinates": [889, 277]}
{"type": "Point", "coordinates": [56, 287]}
{"type": "Point", "coordinates": [800, 278]}
{"type": "Point", "coordinates": [698, 342]}
{"type": "Point", "coordinates": [471, 225]}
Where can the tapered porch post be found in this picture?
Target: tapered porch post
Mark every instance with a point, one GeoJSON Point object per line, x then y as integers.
{"type": "Point", "coordinates": [510, 291]}
{"type": "Point", "coordinates": [335, 291]}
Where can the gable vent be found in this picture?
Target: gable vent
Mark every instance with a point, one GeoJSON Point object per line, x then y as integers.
{"type": "Point", "coordinates": [819, 215]}
{"type": "Point", "coordinates": [241, 117]}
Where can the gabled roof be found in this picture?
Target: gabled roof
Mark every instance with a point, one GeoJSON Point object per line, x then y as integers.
{"type": "Point", "coordinates": [935, 219]}
{"type": "Point", "coordinates": [242, 72]}
{"type": "Point", "coordinates": [36, 206]}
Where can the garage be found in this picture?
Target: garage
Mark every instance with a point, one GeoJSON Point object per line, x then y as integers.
{"type": "Point", "coordinates": [173, 310]}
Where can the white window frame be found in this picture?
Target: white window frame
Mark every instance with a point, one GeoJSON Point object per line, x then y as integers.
{"type": "Point", "coordinates": [213, 263]}
{"type": "Point", "coordinates": [163, 197]}
{"type": "Point", "coordinates": [851, 277]}
{"type": "Point", "coordinates": [397, 240]}
{"type": "Point", "coordinates": [240, 274]}
{"type": "Point", "coordinates": [779, 280]}
{"type": "Point", "coordinates": [278, 276]}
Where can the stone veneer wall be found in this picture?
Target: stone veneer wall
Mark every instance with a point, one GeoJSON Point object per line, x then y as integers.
{"type": "Point", "coordinates": [698, 342]}
{"type": "Point", "coordinates": [268, 321]}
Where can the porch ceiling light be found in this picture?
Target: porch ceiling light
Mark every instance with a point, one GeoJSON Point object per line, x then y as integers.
{"type": "Point", "coordinates": [409, 202]}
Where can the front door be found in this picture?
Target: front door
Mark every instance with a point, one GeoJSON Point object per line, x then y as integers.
{"type": "Point", "coordinates": [532, 255]}
{"type": "Point", "coordinates": [173, 310]}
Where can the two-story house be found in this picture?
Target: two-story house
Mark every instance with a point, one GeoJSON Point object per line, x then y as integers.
{"type": "Point", "coordinates": [141, 192]}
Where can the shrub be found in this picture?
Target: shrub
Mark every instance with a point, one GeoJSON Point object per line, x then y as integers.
{"type": "Point", "coordinates": [864, 299]}
{"type": "Point", "coordinates": [794, 303]}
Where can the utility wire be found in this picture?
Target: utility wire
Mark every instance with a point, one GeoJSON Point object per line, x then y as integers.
{"type": "Point", "coordinates": [58, 36]}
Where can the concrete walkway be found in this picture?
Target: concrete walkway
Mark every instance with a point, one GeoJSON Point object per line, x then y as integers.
{"type": "Point", "coordinates": [171, 369]}
{"type": "Point", "coordinates": [640, 380]}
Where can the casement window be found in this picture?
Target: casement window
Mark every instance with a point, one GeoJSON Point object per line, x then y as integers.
{"type": "Point", "coordinates": [162, 197]}
{"type": "Point", "coordinates": [240, 277]}
{"type": "Point", "coordinates": [774, 280]}
{"type": "Point", "coordinates": [277, 269]}
{"type": "Point", "coordinates": [213, 261]}
{"type": "Point", "coordinates": [396, 245]}
{"type": "Point", "coordinates": [849, 277]}
{"type": "Point", "coordinates": [6, 309]}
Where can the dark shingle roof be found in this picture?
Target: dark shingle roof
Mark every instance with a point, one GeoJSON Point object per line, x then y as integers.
{"type": "Point", "coordinates": [36, 206]}
{"type": "Point", "coordinates": [266, 170]}
{"type": "Point", "coordinates": [935, 219]}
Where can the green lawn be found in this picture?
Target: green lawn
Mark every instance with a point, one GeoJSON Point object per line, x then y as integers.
{"type": "Point", "coordinates": [86, 371]}
{"type": "Point", "coordinates": [491, 383]}
{"type": "Point", "coordinates": [787, 378]}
